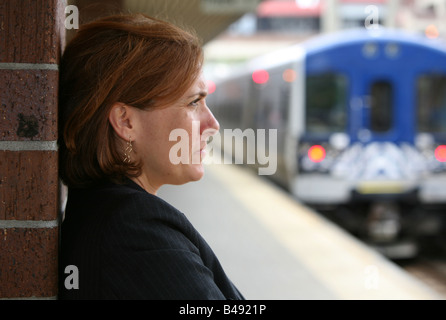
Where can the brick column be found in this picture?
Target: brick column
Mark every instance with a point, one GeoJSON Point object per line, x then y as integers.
{"type": "Point", "coordinates": [31, 38]}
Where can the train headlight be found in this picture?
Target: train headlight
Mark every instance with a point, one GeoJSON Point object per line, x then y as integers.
{"type": "Point", "coordinates": [316, 153]}
{"type": "Point", "coordinates": [440, 153]}
{"type": "Point", "coordinates": [339, 141]}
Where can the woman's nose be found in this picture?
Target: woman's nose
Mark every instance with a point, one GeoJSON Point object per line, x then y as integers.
{"type": "Point", "coordinates": [209, 121]}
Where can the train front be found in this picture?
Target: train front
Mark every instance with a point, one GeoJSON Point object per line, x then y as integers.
{"type": "Point", "coordinates": [372, 153]}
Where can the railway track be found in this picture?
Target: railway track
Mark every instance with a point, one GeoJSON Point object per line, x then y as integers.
{"type": "Point", "coordinates": [430, 266]}
{"type": "Point", "coordinates": [431, 270]}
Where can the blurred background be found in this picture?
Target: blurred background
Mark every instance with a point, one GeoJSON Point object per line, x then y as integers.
{"type": "Point", "coordinates": [236, 30]}
{"type": "Point", "coordinates": [275, 24]}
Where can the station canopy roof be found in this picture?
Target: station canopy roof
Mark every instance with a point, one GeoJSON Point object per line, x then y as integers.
{"type": "Point", "coordinates": [208, 18]}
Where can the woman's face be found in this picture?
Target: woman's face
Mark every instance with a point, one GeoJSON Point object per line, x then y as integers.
{"type": "Point", "coordinates": [170, 141]}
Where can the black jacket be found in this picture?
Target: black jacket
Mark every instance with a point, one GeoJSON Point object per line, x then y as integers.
{"type": "Point", "coordinates": [129, 244]}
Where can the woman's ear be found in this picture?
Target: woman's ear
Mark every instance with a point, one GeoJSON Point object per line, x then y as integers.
{"type": "Point", "coordinates": [120, 118]}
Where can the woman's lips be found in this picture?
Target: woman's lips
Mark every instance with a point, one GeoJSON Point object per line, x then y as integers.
{"type": "Point", "coordinates": [202, 152]}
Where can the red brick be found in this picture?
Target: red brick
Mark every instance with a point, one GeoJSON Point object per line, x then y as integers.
{"type": "Point", "coordinates": [28, 262]}
{"type": "Point", "coordinates": [28, 109]}
{"type": "Point", "coordinates": [28, 185]}
{"type": "Point", "coordinates": [30, 31]}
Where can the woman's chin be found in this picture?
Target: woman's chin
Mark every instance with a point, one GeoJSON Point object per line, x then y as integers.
{"type": "Point", "coordinates": [191, 173]}
{"type": "Point", "coordinates": [196, 172]}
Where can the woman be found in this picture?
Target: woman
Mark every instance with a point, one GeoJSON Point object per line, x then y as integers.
{"type": "Point", "coordinates": [126, 83]}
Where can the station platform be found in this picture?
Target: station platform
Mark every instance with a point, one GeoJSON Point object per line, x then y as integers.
{"type": "Point", "coordinates": [274, 248]}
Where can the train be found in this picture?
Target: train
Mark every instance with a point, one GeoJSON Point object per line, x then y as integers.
{"type": "Point", "coordinates": [359, 123]}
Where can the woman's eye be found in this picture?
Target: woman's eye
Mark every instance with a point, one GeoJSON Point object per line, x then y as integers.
{"type": "Point", "coordinates": [195, 102]}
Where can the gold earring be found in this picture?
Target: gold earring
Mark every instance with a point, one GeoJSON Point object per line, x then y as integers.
{"type": "Point", "coordinates": [128, 150]}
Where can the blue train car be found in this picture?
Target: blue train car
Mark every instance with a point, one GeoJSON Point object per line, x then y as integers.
{"type": "Point", "coordinates": [360, 118]}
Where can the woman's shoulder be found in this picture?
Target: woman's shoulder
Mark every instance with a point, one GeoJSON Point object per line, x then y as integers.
{"type": "Point", "coordinates": [127, 197]}
{"type": "Point", "coordinates": [115, 209]}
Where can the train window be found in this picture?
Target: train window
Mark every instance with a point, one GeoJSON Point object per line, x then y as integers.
{"type": "Point", "coordinates": [431, 103]}
{"type": "Point", "coordinates": [381, 106]}
{"type": "Point", "coordinates": [326, 101]}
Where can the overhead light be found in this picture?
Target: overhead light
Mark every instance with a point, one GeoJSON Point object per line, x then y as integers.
{"type": "Point", "coordinates": [260, 76]}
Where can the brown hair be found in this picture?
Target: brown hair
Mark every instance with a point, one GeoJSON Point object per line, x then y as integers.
{"type": "Point", "coordinates": [133, 59]}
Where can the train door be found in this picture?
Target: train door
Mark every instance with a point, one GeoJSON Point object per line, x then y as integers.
{"type": "Point", "coordinates": [376, 106]}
